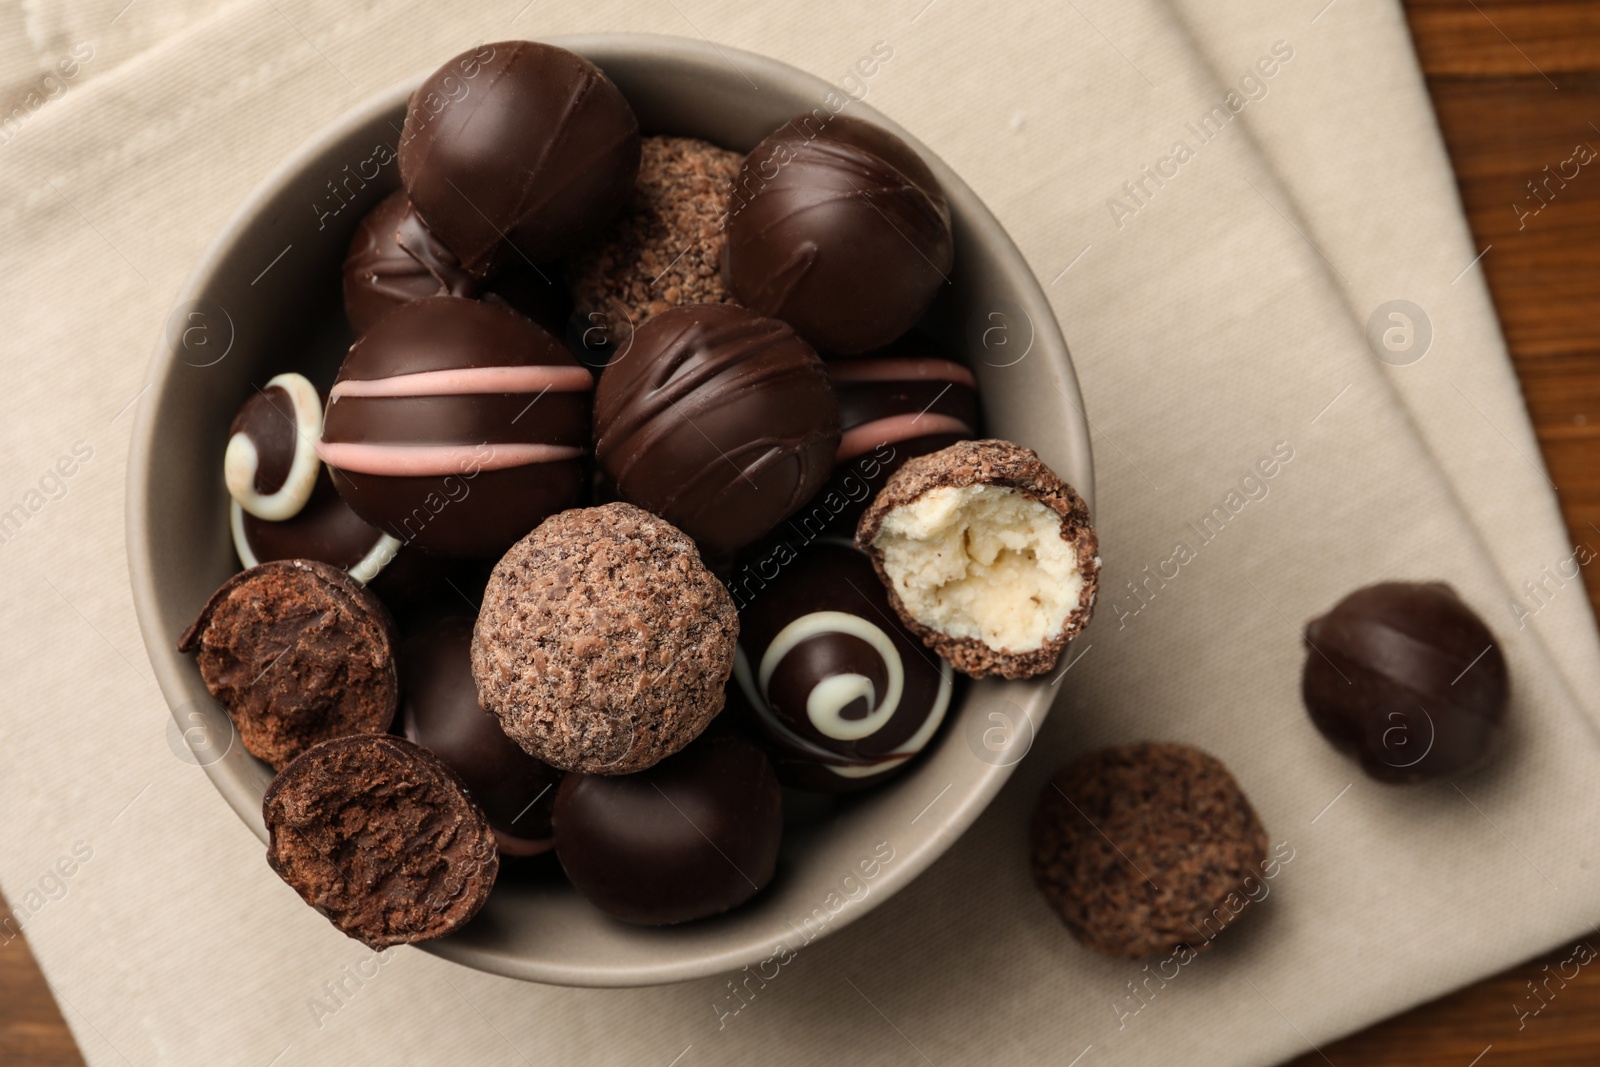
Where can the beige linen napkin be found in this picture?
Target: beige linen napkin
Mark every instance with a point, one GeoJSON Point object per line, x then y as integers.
{"type": "Point", "coordinates": [1208, 337]}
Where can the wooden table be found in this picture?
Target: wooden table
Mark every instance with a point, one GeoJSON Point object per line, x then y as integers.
{"type": "Point", "coordinates": [1516, 84]}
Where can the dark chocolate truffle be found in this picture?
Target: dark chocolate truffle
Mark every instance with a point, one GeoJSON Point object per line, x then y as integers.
{"type": "Point", "coordinates": [297, 652]}
{"type": "Point", "coordinates": [1407, 679]}
{"type": "Point", "coordinates": [839, 229]}
{"type": "Point", "coordinates": [457, 425]}
{"type": "Point", "coordinates": [325, 530]}
{"type": "Point", "coordinates": [271, 464]}
{"type": "Point", "coordinates": [665, 249]}
{"type": "Point", "coordinates": [442, 714]}
{"type": "Point", "coordinates": [718, 420]}
{"type": "Point", "coordinates": [844, 695]}
{"type": "Point", "coordinates": [382, 838]}
{"type": "Point", "coordinates": [603, 643]}
{"type": "Point", "coordinates": [693, 836]}
{"type": "Point", "coordinates": [394, 259]}
{"type": "Point", "coordinates": [988, 556]}
{"type": "Point", "coordinates": [1147, 849]}
{"type": "Point", "coordinates": [517, 150]}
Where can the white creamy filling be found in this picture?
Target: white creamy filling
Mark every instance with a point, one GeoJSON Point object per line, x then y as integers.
{"type": "Point", "coordinates": [984, 562]}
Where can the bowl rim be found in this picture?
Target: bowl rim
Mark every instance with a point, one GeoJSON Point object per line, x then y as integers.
{"type": "Point", "coordinates": [1032, 697]}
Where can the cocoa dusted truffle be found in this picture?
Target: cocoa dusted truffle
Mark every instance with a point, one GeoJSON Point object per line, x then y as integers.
{"type": "Point", "coordinates": [382, 838]}
{"type": "Point", "coordinates": [517, 151]}
{"type": "Point", "coordinates": [297, 652]}
{"type": "Point", "coordinates": [664, 250]}
{"type": "Point", "coordinates": [718, 420]}
{"type": "Point", "coordinates": [839, 229]}
{"type": "Point", "coordinates": [693, 836]}
{"type": "Point", "coordinates": [603, 643]}
{"type": "Point", "coordinates": [1407, 679]}
{"type": "Point", "coordinates": [1147, 848]}
{"type": "Point", "coordinates": [988, 556]}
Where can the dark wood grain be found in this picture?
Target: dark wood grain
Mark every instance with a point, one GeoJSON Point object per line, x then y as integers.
{"type": "Point", "coordinates": [1516, 85]}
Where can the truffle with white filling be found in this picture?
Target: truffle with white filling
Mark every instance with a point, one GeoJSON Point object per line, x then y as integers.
{"type": "Point", "coordinates": [988, 556]}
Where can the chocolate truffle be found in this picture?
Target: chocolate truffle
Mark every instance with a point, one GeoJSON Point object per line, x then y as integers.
{"type": "Point", "coordinates": [665, 249]}
{"type": "Point", "coordinates": [297, 652]}
{"type": "Point", "coordinates": [844, 695]}
{"type": "Point", "coordinates": [271, 466]}
{"type": "Point", "coordinates": [988, 556]}
{"type": "Point", "coordinates": [693, 836]}
{"type": "Point", "coordinates": [517, 151]}
{"type": "Point", "coordinates": [457, 425]}
{"type": "Point", "coordinates": [718, 420]}
{"type": "Point", "coordinates": [442, 714]}
{"type": "Point", "coordinates": [1147, 849]}
{"type": "Point", "coordinates": [394, 259]}
{"type": "Point", "coordinates": [839, 229]}
{"type": "Point", "coordinates": [382, 838]}
{"type": "Point", "coordinates": [603, 642]}
{"type": "Point", "coordinates": [325, 529]}
{"type": "Point", "coordinates": [1407, 679]}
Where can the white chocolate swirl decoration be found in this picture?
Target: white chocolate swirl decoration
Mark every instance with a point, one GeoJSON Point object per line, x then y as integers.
{"type": "Point", "coordinates": [846, 705]}
{"type": "Point", "coordinates": [271, 465]}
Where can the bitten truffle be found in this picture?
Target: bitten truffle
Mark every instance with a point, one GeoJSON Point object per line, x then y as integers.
{"type": "Point", "coordinates": [665, 249]}
{"type": "Point", "coordinates": [1147, 848]}
{"type": "Point", "coordinates": [603, 643]}
{"type": "Point", "coordinates": [297, 652]}
{"type": "Point", "coordinates": [382, 838]}
{"type": "Point", "coordinates": [1408, 680]}
{"type": "Point", "coordinates": [988, 556]}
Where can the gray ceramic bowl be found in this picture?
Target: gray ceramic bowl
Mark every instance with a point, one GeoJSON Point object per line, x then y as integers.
{"type": "Point", "coordinates": [265, 298]}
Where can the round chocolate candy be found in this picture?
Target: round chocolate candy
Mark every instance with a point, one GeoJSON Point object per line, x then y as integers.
{"type": "Point", "coordinates": [394, 259]}
{"type": "Point", "coordinates": [441, 713]}
{"type": "Point", "coordinates": [1407, 679]}
{"type": "Point", "coordinates": [840, 229]}
{"type": "Point", "coordinates": [325, 529]}
{"type": "Point", "coordinates": [695, 835]}
{"type": "Point", "coordinates": [718, 420]}
{"type": "Point", "coordinates": [457, 425]}
{"type": "Point", "coordinates": [271, 463]}
{"type": "Point", "coordinates": [517, 151]}
{"type": "Point", "coordinates": [844, 694]}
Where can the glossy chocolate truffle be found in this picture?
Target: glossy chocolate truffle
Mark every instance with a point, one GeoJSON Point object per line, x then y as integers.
{"type": "Point", "coordinates": [692, 836]}
{"type": "Point", "coordinates": [382, 838]}
{"type": "Point", "coordinates": [457, 425]}
{"type": "Point", "coordinates": [1407, 679]}
{"type": "Point", "coordinates": [843, 693]}
{"type": "Point", "coordinates": [988, 556]}
{"type": "Point", "coordinates": [517, 151]}
{"type": "Point", "coordinates": [718, 420]}
{"type": "Point", "coordinates": [1147, 849]}
{"type": "Point", "coordinates": [603, 643]}
{"type": "Point", "coordinates": [325, 529]}
{"type": "Point", "coordinates": [296, 652]}
{"type": "Point", "coordinates": [394, 259]}
{"type": "Point", "coordinates": [271, 464]}
{"type": "Point", "coordinates": [839, 229]}
{"type": "Point", "coordinates": [442, 714]}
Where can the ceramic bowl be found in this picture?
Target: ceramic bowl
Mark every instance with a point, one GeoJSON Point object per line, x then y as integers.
{"type": "Point", "coordinates": [265, 298]}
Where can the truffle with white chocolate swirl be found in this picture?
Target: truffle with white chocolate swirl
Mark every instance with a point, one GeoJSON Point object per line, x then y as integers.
{"type": "Point", "coordinates": [841, 692]}
{"type": "Point", "coordinates": [457, 426]}
{"type": "Point", "coordinates": [271, 466]}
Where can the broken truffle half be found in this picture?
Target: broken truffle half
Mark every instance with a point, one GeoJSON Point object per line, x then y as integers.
{"type": "Point", "coordinates": [988, 556]}
{"type": "Point", "coordinates": [382, 838]}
